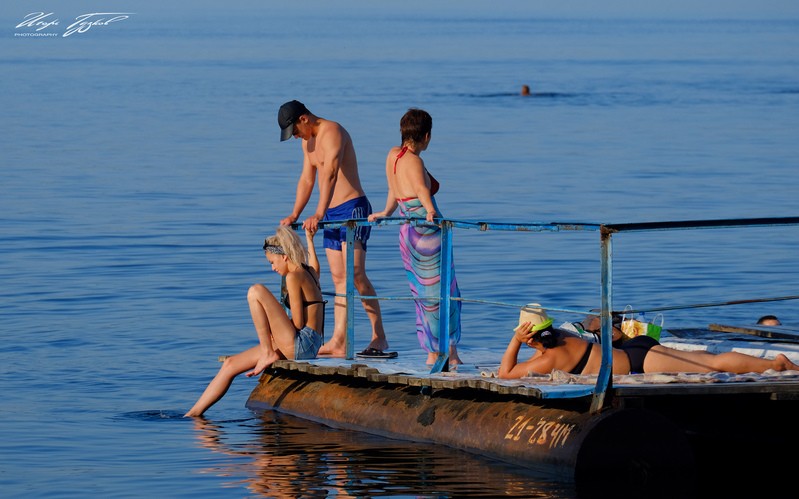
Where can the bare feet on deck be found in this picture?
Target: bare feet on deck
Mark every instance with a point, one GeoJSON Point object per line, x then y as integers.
{"type": "Point", "coordinates": [333, 348]}
{"type": "Point", "coordinates": [264, 361]}
{"type": "Point", "coordinates": [431, 358]}
{"type": "Point", "coordinates": [454, 360]}
{"type": "Point", "coordinates": [782, 363]}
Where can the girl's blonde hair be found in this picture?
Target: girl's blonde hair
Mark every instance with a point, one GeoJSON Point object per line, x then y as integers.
{"type": "Point", "coordinates": [286, 242]}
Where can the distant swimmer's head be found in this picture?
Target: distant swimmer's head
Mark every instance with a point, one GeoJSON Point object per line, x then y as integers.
{"type": "Point", "coordinates": [525, 90]}
{"type": "Point", "coordinates": [769, 320]}
{"type": "Point", "coordinates": [288, 115]}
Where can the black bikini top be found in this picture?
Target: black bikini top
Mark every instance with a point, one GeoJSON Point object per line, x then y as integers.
{"type": "Point", "coordinates": [583, 360]}
{"type": "Point", "coordinates": [305, 304]}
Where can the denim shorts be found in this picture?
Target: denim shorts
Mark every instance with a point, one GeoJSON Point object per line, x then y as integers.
{"type": "Point", "coordinates": [307, 343]}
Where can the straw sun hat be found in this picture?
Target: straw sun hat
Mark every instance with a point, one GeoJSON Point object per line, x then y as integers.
{"type": "Point", "coordinates": [535, 315]}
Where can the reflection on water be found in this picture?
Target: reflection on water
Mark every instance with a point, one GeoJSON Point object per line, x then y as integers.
{"type": "Point", "coordinates": [156, 415]}
{"type": "Point", "coordinates": [292, 458]}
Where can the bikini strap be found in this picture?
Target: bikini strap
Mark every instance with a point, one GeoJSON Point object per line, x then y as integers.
{"type": "Point", "coordinates": [401, 154]}
{"type": "Point", "coordinates": [312, 274]}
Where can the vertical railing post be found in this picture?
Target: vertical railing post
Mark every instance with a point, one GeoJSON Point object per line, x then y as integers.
{"type": "Point", "coordinates": [604, 379]}
{"type": "Point", "coordinates": [445, 305]}
{"type": "Point", "coordinates": [350, 291]}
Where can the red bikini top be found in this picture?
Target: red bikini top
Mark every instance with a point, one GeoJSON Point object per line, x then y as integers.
{"type": "Point", "coordinates": [434, 185]}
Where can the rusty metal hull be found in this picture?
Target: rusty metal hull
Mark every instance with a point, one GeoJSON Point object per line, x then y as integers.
{"type": "Point", "coordinates": [560, 438]}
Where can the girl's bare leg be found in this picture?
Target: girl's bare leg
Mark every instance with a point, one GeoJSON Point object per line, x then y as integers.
{"type": "Point", "coordinates": [274, 329]}
{"type": "Point", "coordinates": [276, 332]}
{"type": "Point", "coordinates": [216, 389]}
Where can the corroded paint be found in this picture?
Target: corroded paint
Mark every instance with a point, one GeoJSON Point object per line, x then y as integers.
{"type": "Point", "coordinates": [542, 437]}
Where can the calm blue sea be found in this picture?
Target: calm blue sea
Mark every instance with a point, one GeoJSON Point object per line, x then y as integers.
{"type": "Point", "coordinates": [141, 170]}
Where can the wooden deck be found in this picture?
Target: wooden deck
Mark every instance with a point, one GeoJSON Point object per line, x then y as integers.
{"type": "Point", "coordinates": [480, 370]}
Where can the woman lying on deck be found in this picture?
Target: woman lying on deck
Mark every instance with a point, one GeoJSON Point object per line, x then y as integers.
{"type": "Point", "coordinates": [560, 349]}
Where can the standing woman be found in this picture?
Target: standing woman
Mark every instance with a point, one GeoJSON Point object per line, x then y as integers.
{"type": "Point", "coordinates": [280, 336]}
{"type": "Point", "coordinates": [411, 187]}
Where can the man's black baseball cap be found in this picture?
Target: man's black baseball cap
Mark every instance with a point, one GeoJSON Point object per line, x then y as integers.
{"type": "Point", "coordinates": [289, 113]}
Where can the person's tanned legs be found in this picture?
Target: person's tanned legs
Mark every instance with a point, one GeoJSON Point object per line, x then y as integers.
{"type": "Point", "coordinates": [337, 261]}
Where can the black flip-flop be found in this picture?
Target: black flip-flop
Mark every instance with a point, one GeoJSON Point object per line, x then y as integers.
{"type": "Point", "coordinates": [374, 353]}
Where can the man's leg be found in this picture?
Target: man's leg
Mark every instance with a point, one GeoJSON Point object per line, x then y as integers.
{"type": "Point", "coordinates": [336, 345]}
{"type": "Point", "coordinates": [365, 288]}
{"type": "Point", "coordinates": [337, 261]}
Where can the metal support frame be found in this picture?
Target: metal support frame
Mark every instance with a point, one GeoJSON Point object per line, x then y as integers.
{"type": "Point", "coordinates": [445, 305]}
{"type": "Point", "coordinates": [605, 376]}
{"type": "Point", "coordinates": [350, 291]}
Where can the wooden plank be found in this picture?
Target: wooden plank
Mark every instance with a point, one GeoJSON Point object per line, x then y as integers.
{"type": "Point", "coordinates": [773, 332]}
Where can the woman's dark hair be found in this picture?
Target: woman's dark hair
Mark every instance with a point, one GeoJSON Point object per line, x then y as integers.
{"type": "Point", "coordinates": [547, 336]}
{"type": "Point", "coordinates": [415, 124]}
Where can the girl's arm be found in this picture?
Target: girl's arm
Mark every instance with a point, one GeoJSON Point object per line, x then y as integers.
{"type": "Point", "coordinates": [313, 260]}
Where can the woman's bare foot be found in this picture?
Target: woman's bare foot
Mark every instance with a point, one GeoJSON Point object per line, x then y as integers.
{"type": "Point", "coordinates": [431, 358]}
{"type": "Point", "coordinates": [782, 363]}
{"type": "Point", "coordinates": [264, 361]}
{"type": "Point", "coordinates": [454, 360]}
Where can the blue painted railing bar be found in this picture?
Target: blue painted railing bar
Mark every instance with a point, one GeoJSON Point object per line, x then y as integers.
{"type": "Point", "coordinates": [350, 290]}
{"type": "Point", "coordinates": [445, 305]}
{"type": "Point", "coordinates": [605, 378]}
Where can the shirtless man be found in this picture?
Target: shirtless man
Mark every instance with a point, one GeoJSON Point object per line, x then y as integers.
{"type": "Point", "coordinates": [328, 154]}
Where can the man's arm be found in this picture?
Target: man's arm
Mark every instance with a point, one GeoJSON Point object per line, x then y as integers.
{"type": "Point", "coordinates": [331, 144]}
{"type": "Point", "coordinates": [304, 189]}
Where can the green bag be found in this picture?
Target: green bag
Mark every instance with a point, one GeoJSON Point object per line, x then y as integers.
{"type": "Point", "coordinates": [631, 327]}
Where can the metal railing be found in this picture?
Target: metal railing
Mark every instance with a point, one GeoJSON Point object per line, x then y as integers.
{"type": "Point", "coordinates": [606, 231]}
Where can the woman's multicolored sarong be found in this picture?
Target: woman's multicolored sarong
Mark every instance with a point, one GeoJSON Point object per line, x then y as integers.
{"type": "Point", "coordinates": [420, 248]}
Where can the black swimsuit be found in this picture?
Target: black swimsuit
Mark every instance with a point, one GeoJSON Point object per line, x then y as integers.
{"type": "Point", "coordinates": [583, 360]}
{"type": "Point", "coordinates": [636, 350]}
